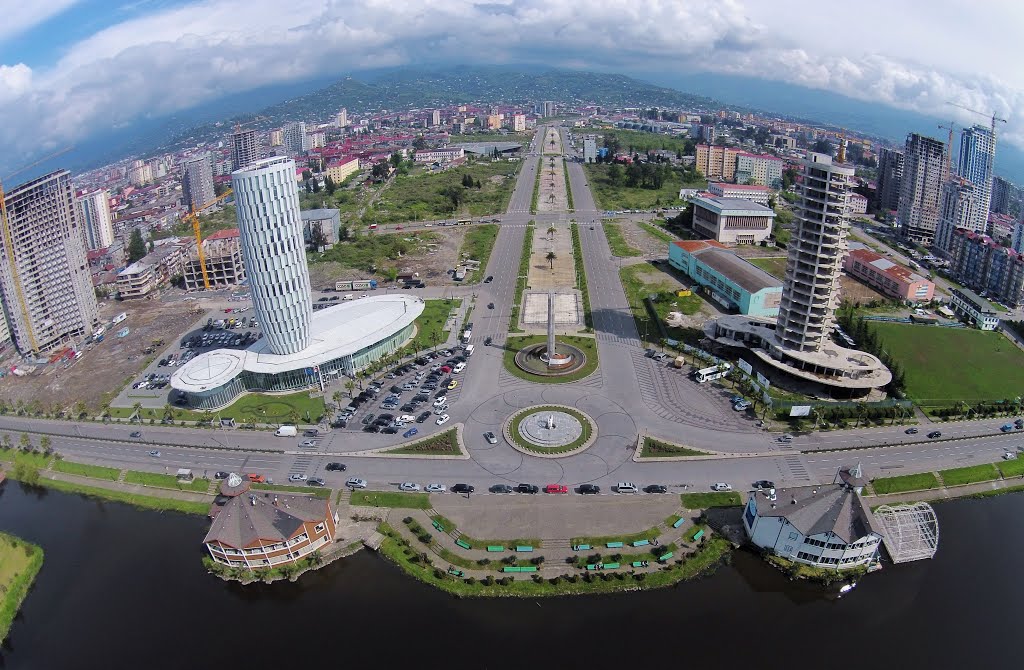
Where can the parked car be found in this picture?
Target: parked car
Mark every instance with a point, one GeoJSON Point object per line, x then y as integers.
{"type": "Point", "coordinates": [721, 486]}
{"type": "Point", "coordinates": [443, 409]}
{"type": "Point", "coordinates": [626, 487]}
{"type": "Point", "coordinates": [220, 474]}
{"type": "Point", "coordinates": [443, 419]}
{"type": "Point", "coordinates": [490, 437]}
{"type": "Point", "coordinates": [763, 484]}
{"type": "Point", "coordinates": [463, 488]}
{"type": "Point", "coordinates": [589, 489]}
{"type": "Point", "coordinates": [257, 479]}
{"type": "Point", "coordinates": [335, 467]}
{"type": "Point", "coordinates": [409, 433]}
{"type": "Point", "coordinates": [501, 488]}
{"type": "Point", "coordinates": [452, 384]}
{"type": "Point", "coordinates": [356, 483]}
{"type": "Point", "coordinates": [316, 481]}
{"type": "Point", "coordinates": [556, 488]}
{"type": "Point", "coordinates": [656, 488]}
{"type": "Point", "coordinates": [297, 478]}
{"type": "Point", "coordinates": [408, 486]}
{"type": "Point", "coordinates": [423, 417]}
{"type": "Point", "coordinates": [527, 488]}
{"type": "Point", "coordinates": [436, 488]}
{"type": "Point", "coordinates": [459, 367]}
{"type": "Point", "coordinates": [1009, 455]}
{"type": "Point", "coordinates": [441, 400]}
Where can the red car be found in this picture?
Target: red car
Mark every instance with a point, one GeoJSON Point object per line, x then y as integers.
{"type": "Point", "coordinates": [556, 488]}
{"type": "Point", "coordinates": [446, 369]}
{"type": "Point", "coordinates": [258, 479]}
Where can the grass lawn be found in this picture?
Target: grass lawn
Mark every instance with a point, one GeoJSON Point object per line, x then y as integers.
{"type": "Point", "coordinates": [376, 252]}
{"type": "Point", "coordinates": [524, 270]}
{"type": "Point", "coordinates": [250, 408]}
{"type": "Point", "coordinates": [444, 444]}
{"type": "Point", "coordinates": [656, 232]}
{"type": "Point", "coordinates": [599, 541]}
{"type": "Point", "coordinates": [135, 499]}
{"type": "Point", "coordinates": [94, 471]}
{"type": "Point", "coordinates": [918, 482]}
{"type": "Point", "coordinates": [995, 365]}
{"type": "Point", "coordinates": [477, 246]}
{"type": "Point", "coordinates": [713, 499]}
{"type": "Point", "coordinates": [315, 491]}
{"type": "Point", "coordinates": [620, 197]}
{"type": "Point", "coordinates": [618, 243]}
{"type": "Point", "coordinates": [640, 281]}
{"type": "Point", "coordinates": [586, 425]}
{"type": "Point", "coordinates": [423, 195]}
{"type": "Point", "coordinates": [969, 475]}
{"type": "Point", "coordinates": [636, 141]}
{"type": "Point", "coordinates": [1011, 468]}
{"type": "Point", "coordinates": [368, 498]}
{"type": "Point", "coordinates": [430, 324]}
{"type": "Point", "coordinates": [20, 561]}
{"type": "Point", "coordinates": [773, 265]}
{"type": "Point", "coordinates": [654, 448]}
{"type": "Point", "coordinates": [31, 458]}
{"type": "Point", "coordinates": [587, 345]}
{"type": "Point", "coordinates": [165, 481]}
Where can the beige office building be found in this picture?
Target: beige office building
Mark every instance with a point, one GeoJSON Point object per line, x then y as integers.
{"type": "Point", "coordinates": [44, 275]}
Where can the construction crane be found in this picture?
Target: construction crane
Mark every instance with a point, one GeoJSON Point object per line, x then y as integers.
{"type": "Point", "coordinates": [949, 146]}
{"type": "Point", "coordinates": [199, 236]}
{"type": "Point", "coordinates": [992, 117]}
{"type": "Point", "coordinates": [8, 241]}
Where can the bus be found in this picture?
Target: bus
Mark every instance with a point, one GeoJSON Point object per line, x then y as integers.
{"type": "Point", "coordinates": [712, 373]}
{"type": "Point", "coordinates": [464, 222]}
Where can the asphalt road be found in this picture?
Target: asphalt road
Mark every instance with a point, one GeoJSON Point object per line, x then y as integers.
{"type": "Point", "coordinates": [629, 394]}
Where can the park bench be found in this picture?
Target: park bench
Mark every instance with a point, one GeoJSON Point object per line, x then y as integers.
{"type": "Point", "coordinates": [641, 543]}
{"type": "Point", "coordinates": [679, 522]}
{"type": "Point", "coordinates": [699, 534]}
{"type": "Point", "coordinates": [580, 547]}
{"type": "Point", "coordinates": [438, 526]}
{"type": "Point", "coordinates": [611, 566]}
{"type": "Point", "coordinates": [495, 547]}
{"type": "Point", "coordinates": [452, 570]}
{"type": "Point", "coordinates": [639, 564]}
{"type": "Point", "coordinates": [594, 566]}
{"type": "Point", "coordinates": [664, 557]}
{"type": "Point", "coordinates": [614, 545]}
{"type": "Point", "coordinates": [524, 547]}
{"type": "Point", "coordinates": [463, 544]}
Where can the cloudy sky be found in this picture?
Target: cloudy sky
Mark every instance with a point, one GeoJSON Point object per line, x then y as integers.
{"type": "Point", "coordinates": [69, 68]}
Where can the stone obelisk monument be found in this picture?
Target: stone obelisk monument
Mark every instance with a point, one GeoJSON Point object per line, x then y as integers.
{"type": "Point", "coordinates": [551, 329]}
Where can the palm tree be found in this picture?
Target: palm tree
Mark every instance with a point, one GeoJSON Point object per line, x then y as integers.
{"type": "Point", "coordinates": [137, 411]}
{"type": "Point", "coordinates": [818, 413]}
{"type": "Point", "coordinates": [551, 259]}
{"type": "Point", "coordinates": [350, 386]}
{"type": "Point", "coordinates": [168, 411]}
{"type": "Point", "coordinates": [551, 232]}
{"type": "Point", "coordinates": [105, 410]}
{"type": "Point", "coordinates": [336, 397]}
{"type": "Point", "coordinates": [862, 410]}
{"type": "Point", "coordinates": [25, 442]}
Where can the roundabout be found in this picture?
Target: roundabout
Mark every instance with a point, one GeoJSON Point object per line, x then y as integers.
{"type": "Point", "coordinates": [550, 431]}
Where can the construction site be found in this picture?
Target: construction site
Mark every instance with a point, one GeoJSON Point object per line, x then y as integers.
{"type": "Point", "coordinates": [222, 253]}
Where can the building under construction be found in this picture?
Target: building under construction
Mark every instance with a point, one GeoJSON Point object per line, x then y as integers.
{"type": "Point", "coordinates": [224, 265]}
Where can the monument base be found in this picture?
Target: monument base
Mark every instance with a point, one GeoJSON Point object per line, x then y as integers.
{"type": "Point", "coordinates": [534, 359]}
{"type": "Point", "coordinates": [557, 360]}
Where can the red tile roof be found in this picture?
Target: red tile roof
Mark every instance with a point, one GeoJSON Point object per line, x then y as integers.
{"type": "Point", "coordinates": [692, 246]}
{"type": "Point", "coordinates": [224, 234]}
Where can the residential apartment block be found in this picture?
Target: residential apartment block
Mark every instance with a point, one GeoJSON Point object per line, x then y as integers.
{"type": "Point", "coordinates": [924, 173]}
{"type": "Point", "coordinates": [154, 269]}
{"type": "Point", "coordinates": [93, 210]}
{"type": "Point", "coordinates": [759, 169]}
{"type": "Point", "coordinates": [44, 273]}
{"type": "Point", "coordinates": [245, 148]}
{"type": "Point", "coordinates": [890, 175]}
{"type": "Point", "coordinates": [979, 262]}
{"type": "Point", "coordinates": [340, 169]}
{"type": "Point", "coordinates": [440, 155]}
{"type": "Point", "coordinates": [887, 277]}
{"type": "Point", "coordinates": [197, 182]}
{"type": "Point", "coordinates": [715, 162]}
{"type": "Point", "coordinates": [295, 138]}
{"type": "Point", "coordinates": [977, 158]}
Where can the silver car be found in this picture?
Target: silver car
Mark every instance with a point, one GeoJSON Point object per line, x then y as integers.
{"type": "Point", "coordinates": [356, 483]}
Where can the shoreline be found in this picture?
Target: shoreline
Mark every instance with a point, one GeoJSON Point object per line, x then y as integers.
{"type": "Point", "coordinates": [21, 579]}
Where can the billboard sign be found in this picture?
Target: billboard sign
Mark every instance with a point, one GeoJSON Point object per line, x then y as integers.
{"type": "Point", "coordinates": [763, 380]}
{"type": "Point", "coordinates": [800, 410]}
{"type": "Point", "coordinates": [745, 366]}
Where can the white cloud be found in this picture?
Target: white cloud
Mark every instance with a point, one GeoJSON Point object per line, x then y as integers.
{"type": "Point", "coordinates": [20, 16]}
{"type": "Point", "coordinates": [177, 58]}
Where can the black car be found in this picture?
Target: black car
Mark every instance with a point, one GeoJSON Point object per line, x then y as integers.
{"type": "Point", "coordinates": [336, 467]}
{"type": "Point", "coordinates": [589, 489]}
{"type": "Point", "coordinates": [935, 433]}
{"type": "Point", "coordinates": [390, 430]}
{"type": "Point", "coordinates": [656, 488]}
{"type": "Point", "coordinates": [490, 305]}
{"type": "Point", "coordinates": [423, 417]}
{"type": "Point", "coordinates": [462, 488]}
{"type": "Point", "coordinates": [137, 433]}
{"type": "Point", "coordinates": [315, 481]}
{"type": "Point", "coordinates": [487, 341]}
{"type": "Point", "coordinates": [527, 488]}
{"type": "Point", "coordinates": [340, 423]}
{"type": "Point", "coordinates": [761, 484]}
{"type": "Point", "coordinates": [368, 419]}
{"type": "Point", "coordinates": [501, 488]}
{"type": "Point", "coordinates": [421, 397]}
{"type": "Point", "coordinates": [372, 428]}
{"type": "Point", "coordinates": [397, 390]}
{"type": "Point", "coordinates": [408, 407]}
{"type": "Point", "coordinates": [489, 279]}
{"type": "Point", "coordinates": [911, 431]}
{"type": "Point", "coordinates": [220, 475]}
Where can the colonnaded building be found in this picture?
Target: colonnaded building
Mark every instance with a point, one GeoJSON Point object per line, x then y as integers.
{"type": "Point", "coordinates": [301, 349]}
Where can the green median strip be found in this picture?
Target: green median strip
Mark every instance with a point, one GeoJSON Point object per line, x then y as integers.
{"type": "Point", "coordinates": [969, 475]}
{"type": "Point", "coordinates": [166, 481]}
{"type": "Point", "coordinates": [917, 482]}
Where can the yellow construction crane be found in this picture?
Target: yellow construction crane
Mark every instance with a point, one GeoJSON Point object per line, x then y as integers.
{"type": "Point", "coordinates": [8, 241]}
{"type": "Point", "coordinates": [199, 236]}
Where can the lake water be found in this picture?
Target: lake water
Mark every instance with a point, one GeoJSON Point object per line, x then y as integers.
{"type": "Point", "coordinates": [124, 588]}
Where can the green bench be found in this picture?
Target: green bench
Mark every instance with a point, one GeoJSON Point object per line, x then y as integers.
{"type": "Point", "coordinates": [437, 525]}
{"type": "Point", "coordinates": [664, 557]}
{"type": "Point", "coordinates": [594, 566]}
{"type": "Point", "coordinates": [524, 547]}
{"type": "Point", "coordinates": [639, 564]}
{"type": "Point", "coordinates": [455, 571]}
{"type": "Point", "coordinates": [699, 534]}
{"type": "Point", "coordinates": [641, 543]}
{"type": "Point", "coordinates": [679, 522]}
{"type": "Point", "coordinates": [510, 568]}
{"type": "Point", "coordinates": [611, 566]}
{"type": "Point", "coordinates": [614, 545]}
{"type": "Point", "coordinates": [495, 547]}
{"type": "Point", "coordinates": [528, 568]}
{"type": "Point", "coordinates": [463, 544]}
{"type": "Point", "coordinates": [580, 547]}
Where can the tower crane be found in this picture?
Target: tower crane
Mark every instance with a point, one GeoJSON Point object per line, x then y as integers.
{"type": "Point", "coordinates": [949, 145]}
{"type": "Point", "coordinates": [194, 218]}
{"type": "Point", "coordinates": [992, 117]}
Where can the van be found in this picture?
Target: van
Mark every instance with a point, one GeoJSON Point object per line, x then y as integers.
{"type": "Point", "coordinates": [348, 296]}
{"type": "Point", "coordinates": [469, 349]}
{"type": "Point", "coordinates": [286, 431]}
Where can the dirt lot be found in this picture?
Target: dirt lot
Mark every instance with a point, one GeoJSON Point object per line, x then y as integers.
{"type": "Point", "coordinates": [432, 266]}
{"type": "Point", "coordinates": [856, 292]}
{"type": "Point", "coordinates": [106, 366]}
{"type": "Point", "coordinates": [638, 238]}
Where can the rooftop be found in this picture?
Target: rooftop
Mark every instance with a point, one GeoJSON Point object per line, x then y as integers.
{"type": "Point", "coordinates": [334, 332]}
{"type": "Point", "coordinates": [729, 206]}
{"type": "Point", "coordinates": [813, 510]}
{"type": "Point", "coordinates": [725, 186]}
{"type": "Point", "coordinates": [264, 517]}
{"type": "Point", "coordinates": [318, 214]}
{"type": "Point", "coordinates": [693, 246]}
{"type": "Point", "coordinates": [743, 273]}
{"type": "Point", "coordinates": [885, 266]}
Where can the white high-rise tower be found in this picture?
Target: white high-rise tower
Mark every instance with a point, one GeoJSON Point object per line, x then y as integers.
{"type": "Point", "coordinates": [270, 228]}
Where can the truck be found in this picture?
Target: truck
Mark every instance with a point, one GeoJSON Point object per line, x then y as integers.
{"type": "Point", "coordinates": [469, 349]}
{"type": "Point", "coordinates": [679, 362]}
{"type": "Point", "coordinates": [286, 431]}
{"type": "Point", "coordinates": [120, 317]}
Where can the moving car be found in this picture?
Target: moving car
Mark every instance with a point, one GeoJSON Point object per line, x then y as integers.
{"type": "Point", "coordinates": [155, 453]}
{"type": "Point", "coordinates": [436, 488]}
{"type": "Point", "coordinates": [408, 486]}
{"type": "Point", "coordinates": [489, 279]}
{"type": "Point", "coordinates": [626, 487]}
{"type": "Point", "coordinates": [307, 443]}
{"type": "Point", "coordinates": [487, 341]}
{"type": "Point", "coordinates": [491, 439]}
{"type": "Point", "coordinates": [490, 305]}
{"type": "Point", "coordinates": [501, 488]}
{"type": "Point", "coordinates": [762, 484]}
{"type": "Point", "coordinates": [656, 488]}
{"type": "Point", "coordinates": [356, 483]}
{"type": "Point", "coordinates": [463, 488]}
{"type": "Point", "coordinates": [556, 488]}
{"type": "Point", "coordinates": [443, 419]}
{"type": "Point", "coordinates": [721, 486]}
{"type": "Point", "coordinates": [935, 433]}
{"type": "Point", "coordinates": [137, 433]}
{"type": "Point", "coordinates": [589, 489]}
{"type": "Point", "coordinates": [336, 467]}
{"type": "Point", "coordinates": [911, 431]}
{"type": "Point", "coordinates": [1006, 427]}
{"type": "Point", "coordinates": [527, 488]}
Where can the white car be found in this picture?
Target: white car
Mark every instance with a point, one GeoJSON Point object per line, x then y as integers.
{"type": "Point", "coordinates": [443, 419]}
{"type": "Point", "coordinates": [438, 411]}
{"type": "Point", "coordinates": [436, 488]}
{"type": "Point", "coordinates": [435, 367]}
{"type": "Point", "coordinates": [721, 486]}
{"type": "Point", "coordinates": [626, 487]}
{"type": "Point", "coordinates": [443, 400]}
{"type": "Point", "coordinates": [297, 478]}
{"type": "Point", "coordinates": [490, 437]}
{"type": "Point", "coordinates": [408, 486]}
{"type": "Point", "coordinates": [459, 367]}
{"type": "Point", "coordinates": [307, 443]}
{"type": "Point", "coordinates": [406, 418]}
{"type": "Point", "coordinates": [356, 483]}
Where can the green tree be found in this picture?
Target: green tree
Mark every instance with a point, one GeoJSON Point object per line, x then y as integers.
{"type": "Point", "coordinates": [615, 174]}
{"type": "Point", "coordinates": [25, 442]}
{"type": "Point", "coordinates": [551, 231]}
{"type": "Point", "coordinates": [136, 246]}
{"type": "Point", "coordinates": [396, 159]}
{"type": "Point", "coordinates": [455, 195]}
{"type": "Point", "coordinates": [26, 473]}
{"type": "Point", "coordinates": [45, 443]}
{"type": "Point", "coordinates": [80, 410]}
{"type": "Point", "coordinates": [350, 386]}
{"type": "Point", "coordinates": [329, 185]}
{"type": "Point", "coordinates": [551, 259]}
{"type": "Point", "coordinates": [307, 174]}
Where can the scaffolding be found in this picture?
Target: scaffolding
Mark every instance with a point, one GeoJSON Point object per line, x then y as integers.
{"type": "Point", "coordinates": [911, 531]}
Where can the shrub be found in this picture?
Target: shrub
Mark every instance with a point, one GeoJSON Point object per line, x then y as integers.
{"type": "Point", "coordinates": [488, 580]}
{"type": "Point", "coordinates": [538, 560]}
{"type": "Point", "coordinates": [471, 580]}
{"type": "Point", "coordinates": [407, 520]}
{"type": "Point", "coordinates": [640, 576]}
{"type": "Point", "coordinates": [484, 562]}
{"type": "Point", "coordinates": [439, 573]}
